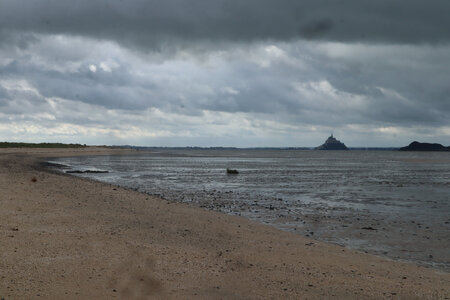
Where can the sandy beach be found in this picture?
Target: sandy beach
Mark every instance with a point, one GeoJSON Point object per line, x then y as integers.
{"type": "Point", "coordinates": [64, 237]}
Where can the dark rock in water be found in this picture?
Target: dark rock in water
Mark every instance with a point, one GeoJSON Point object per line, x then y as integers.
{"type": "Point", "coordinates": [368, 228]}
{"type": "Point", "coordinates": [417, 146]}
{"type": "Point", "coordinates": [95, 171]}
{"type": "Point", "coordinates": [87, 171]}
{"type": "Point", "coordinates": [74, 172]}
{"type": "Point", "coordinates": [332, 144]}
{"type": "Point", "coordinates": [231, 171]}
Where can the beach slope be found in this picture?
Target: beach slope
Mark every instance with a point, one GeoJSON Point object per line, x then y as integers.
{"type": "Point", "coordinates": [63, 237]}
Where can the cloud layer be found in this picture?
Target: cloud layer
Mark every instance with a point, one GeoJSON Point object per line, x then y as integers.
{"type": "Point", "coordinates": [152, 23]}
{"type": "Point", "coordinates": [232, 73]}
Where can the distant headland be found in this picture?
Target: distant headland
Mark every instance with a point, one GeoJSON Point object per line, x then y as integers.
{"type": "Point", "coordinates": [417, 146]}
{"type": "Point", "coordinates": [332, 144]}
{"type": "Point", "coordinates": [39, 145]}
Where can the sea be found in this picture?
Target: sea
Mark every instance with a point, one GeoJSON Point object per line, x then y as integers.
{"type": "Point", "coordinates": [388, 203]}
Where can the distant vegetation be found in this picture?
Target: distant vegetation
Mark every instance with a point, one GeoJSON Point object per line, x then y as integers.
{"type": "Point", "coordinates": [40, 145]}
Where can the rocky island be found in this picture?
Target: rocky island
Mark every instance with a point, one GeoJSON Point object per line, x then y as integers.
{"type": "Point", "coordinates": [332, 144]}
{"type": "Point", "coordinates": [417, 146]}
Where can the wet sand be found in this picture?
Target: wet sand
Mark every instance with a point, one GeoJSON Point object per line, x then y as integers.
{"type": "Point", "coordinates": [68, 237]}
{"type": "Point", "coordinates": [413, 239]}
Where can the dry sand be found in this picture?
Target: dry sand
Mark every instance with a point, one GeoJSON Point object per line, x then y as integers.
{"type": "Point", "coordinates": [63, 237]}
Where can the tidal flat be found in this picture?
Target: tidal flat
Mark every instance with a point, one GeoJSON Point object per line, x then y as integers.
{"type": "Point", "coordinates": [389, 203]}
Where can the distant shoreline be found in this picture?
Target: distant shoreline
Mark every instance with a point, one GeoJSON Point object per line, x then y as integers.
{"type": "Point", "coordinates": [21, 145]}
{"type": "Point", "coordinates": [40, 145]}
{"type": "Point", "coordinates": [251, 148]}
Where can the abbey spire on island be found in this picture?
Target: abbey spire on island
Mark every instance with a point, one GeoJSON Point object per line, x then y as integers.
{"type": "Point", "coordinates": [332, 144]}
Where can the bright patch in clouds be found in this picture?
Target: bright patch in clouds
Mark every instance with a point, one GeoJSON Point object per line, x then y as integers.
{"type": "Point", "coordinates": [105, 67]}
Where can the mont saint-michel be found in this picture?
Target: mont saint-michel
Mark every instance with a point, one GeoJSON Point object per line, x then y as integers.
{"type": "Point", "coordinates": [332, 144]}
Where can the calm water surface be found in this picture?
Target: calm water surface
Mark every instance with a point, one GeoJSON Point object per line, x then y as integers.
{"type": "Point", "coordinates": [394, 204]}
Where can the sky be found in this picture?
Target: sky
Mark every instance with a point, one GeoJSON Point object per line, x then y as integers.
{"type": "Point", "coordinates": [253, 73]}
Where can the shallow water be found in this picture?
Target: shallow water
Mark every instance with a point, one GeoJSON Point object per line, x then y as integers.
{"type": "Point", "coordinates": [394, 204]}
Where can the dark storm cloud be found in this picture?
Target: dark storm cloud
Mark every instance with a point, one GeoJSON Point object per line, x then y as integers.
{"type": "Point", "coordinates": [154, 24]}
{"type": "Point", "coordinates": [406, 84]}
{"type": "Point", "coordinates": [12, 38]}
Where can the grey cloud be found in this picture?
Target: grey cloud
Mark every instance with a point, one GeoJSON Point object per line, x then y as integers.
{"type": "Point", "coordinates": [3, 94]}
{"type": "Point", "coordinates": [251, 66]}
{"type": "Point", "coordinates": [405, 86]}
{"type": "Point", "coordinates": [152, 24]}
{"type": "Point", "coordinates": [22, 103]}
{"type": "Point", "coordinates": [10, 37]}
{"type": "Point", "coordinates": [110, 90]}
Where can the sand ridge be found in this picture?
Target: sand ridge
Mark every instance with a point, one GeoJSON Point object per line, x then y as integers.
{"type": "Point", "coordinates": [68, 237]}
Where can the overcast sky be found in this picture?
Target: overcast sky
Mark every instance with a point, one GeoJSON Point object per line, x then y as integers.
{"type": "Point", "coordinates": [225, 72]}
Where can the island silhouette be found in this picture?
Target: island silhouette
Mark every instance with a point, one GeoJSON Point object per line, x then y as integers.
{"type": "Point", "coordinates": [417, 146]}
{"type": "Point", "coordinates": [332, 144]}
